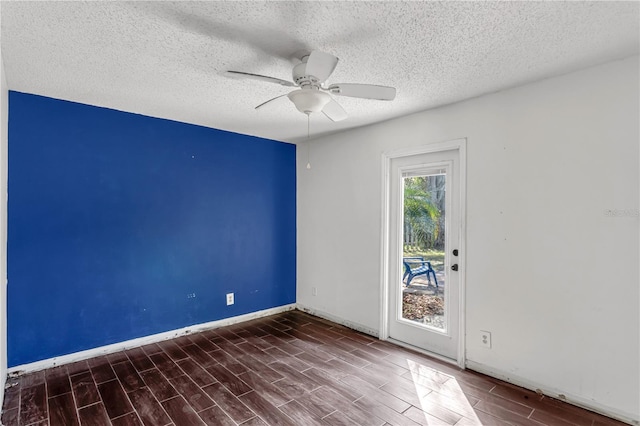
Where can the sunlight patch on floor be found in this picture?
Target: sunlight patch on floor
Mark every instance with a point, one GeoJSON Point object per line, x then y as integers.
{"type": "Point", "coordinates": [433, 387]}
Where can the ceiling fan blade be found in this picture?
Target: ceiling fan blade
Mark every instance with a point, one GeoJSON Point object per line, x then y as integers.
{"type": "Point", "coordinates": [321, 65]}
{"type": "Point", "coordinates": [270, 100]}
{"type": "Point", "coordinates": [365, 91]}
{"type": "Point", "coordinates": [334, 111]}
{"type": "Point", "coordinates": [240, 74]}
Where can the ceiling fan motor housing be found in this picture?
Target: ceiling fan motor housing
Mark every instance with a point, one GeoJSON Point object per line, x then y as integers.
{"type": "Point", "coordinates": [301, 78]}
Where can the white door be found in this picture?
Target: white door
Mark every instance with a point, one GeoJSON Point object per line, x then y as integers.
{"type": "Point", "coordinates": [424, 251]}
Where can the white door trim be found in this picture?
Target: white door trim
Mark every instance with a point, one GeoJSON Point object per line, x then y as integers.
{"type": "Point", "coordinates": [459, 145]}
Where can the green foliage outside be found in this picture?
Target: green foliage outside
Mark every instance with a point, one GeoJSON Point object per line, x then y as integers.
{"type": "Point", "coordinates": [424, 211]}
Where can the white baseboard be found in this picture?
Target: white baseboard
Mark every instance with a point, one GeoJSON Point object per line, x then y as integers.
{"type": "Point", "coordinates": [133, 343]}
{"type": "Point", "coordinates": [352, 325]}
{"type": "Point", "coordinates": [555, 393]}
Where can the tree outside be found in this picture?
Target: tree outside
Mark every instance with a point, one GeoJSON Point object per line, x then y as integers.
{"type": "Point", "coordinates": [424, 213]}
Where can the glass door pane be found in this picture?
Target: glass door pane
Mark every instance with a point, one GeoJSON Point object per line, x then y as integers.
{"type": "Point", "coordinates": [423, 254]}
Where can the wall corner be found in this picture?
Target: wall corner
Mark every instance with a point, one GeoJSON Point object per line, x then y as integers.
{"type": "Point", "coordinates": [4, 123]}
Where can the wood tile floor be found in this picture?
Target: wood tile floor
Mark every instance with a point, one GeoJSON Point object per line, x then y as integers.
{"type": "Point", "coordinates": [287, 369]}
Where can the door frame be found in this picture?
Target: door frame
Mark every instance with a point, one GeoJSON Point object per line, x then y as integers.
{"type": "Point", "coordinates": [459, 145]}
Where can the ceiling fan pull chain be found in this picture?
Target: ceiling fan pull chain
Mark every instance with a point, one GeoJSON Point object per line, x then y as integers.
{"type": "Point", "coordinates": [308, 143]}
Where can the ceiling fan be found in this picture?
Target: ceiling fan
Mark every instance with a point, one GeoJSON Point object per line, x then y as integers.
{"type": "Point", "coordinates": [309, 75]}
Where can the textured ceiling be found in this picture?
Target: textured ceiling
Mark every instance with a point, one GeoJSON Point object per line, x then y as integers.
{"type": "Point", "coordinates": [167, 59]}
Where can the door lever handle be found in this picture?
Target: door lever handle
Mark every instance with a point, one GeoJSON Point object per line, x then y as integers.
{"type": "Point", "coordinates": [454, 267]}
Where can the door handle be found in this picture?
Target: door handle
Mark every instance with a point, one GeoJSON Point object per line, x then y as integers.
{"type": "Point", "coordinates": [454, 267]}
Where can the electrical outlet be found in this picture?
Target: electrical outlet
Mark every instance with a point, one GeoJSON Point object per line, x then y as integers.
{"type": "Point", "coordinates": [485, 339]}
{"type": "Point", "coordinates": [230, 300]}
{"type": "Point", "coordinates": [314, 291]}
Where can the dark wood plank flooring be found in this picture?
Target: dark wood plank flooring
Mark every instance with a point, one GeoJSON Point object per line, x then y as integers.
{"type": "Point", "coordinates": [287, 369]}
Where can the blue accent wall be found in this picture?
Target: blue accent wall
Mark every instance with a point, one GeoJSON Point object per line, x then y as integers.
{"type": "Point", "coordinates": [115, 219]}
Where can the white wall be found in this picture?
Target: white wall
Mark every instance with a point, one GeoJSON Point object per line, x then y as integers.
{"type": "Point", "coordinates": [552, 277]}
{"type": "Point", "coordinates": [4, 119]}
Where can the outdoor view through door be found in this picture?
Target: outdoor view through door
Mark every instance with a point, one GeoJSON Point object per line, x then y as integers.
{"type": "Point", "coordinates": [423, 279]}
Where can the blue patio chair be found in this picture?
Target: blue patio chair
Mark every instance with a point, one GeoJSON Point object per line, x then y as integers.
{"type": "Point", "coordinates": [423, 268]}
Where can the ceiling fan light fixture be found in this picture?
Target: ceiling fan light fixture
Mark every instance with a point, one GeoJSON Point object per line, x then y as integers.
{"type": "Point", "coordinates": [308, 101]}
